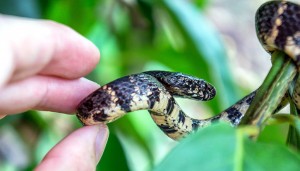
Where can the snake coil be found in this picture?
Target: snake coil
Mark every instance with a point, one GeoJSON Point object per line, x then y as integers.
{"type": "Point", "coordinates": [278, 28]}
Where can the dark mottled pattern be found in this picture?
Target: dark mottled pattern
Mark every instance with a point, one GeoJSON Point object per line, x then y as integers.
{"type": "Point", "coordinates": [185, 86]}
{"type": "Point", "coordinates": [266, 17]}
{"type": "Point", "coordinates": [98, 98]}
{"type": "Point", "coordinates": [290, 24]}
{"type": "Point", "coordinates": [181, 117]}
{"type": "Point", "coordinates": [234, 115]}
{"type": "Point", "coordinates": [195, 124]}
{"type": "Point", "coordinates": [154, 96]}
{"type": "Point", "coordinates": [215, 118]}
{"type": "Point", "coordinates": [170, 105]}
{"type": "Point", "coordinates": [234, 112]}
{"type": "Point", "coordinates": [101, 117]}
{"type": "Point", "coordinates": [250, 98]}
{"type": "Point", "coordinates": [167, 129]}
{"type": "Point", "coordinates": [122, 90]}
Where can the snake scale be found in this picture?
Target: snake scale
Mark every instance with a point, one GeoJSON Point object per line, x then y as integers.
{"type": "Point", "coordinates": [278, 28]}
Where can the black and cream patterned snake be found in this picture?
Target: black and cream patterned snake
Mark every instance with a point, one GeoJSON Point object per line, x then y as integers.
{"type": "Point", "coordinates": [278, 28]}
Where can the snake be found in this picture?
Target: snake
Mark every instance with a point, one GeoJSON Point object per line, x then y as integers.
{"type": "Point", "coordinates": [277, 27]}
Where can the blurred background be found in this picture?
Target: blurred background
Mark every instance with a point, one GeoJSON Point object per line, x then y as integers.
{"type": "Point", "coordinates": [211, 39]}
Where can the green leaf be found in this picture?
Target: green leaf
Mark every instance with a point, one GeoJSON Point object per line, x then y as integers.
{"type": "Point", "coordinates": [115, 152]}
{"type": "Point", "coordinates": [79, 15]}
{"type": "Point", "coordinates": [203, 48]}
{"type": "Point", "coordinates": [293, 138]}
{"type": "Point", "coordinates": [201, 3]}
{"type": "Point", "coordinates": [221, 147]}
{"type": "Point", "coordinates": [270, 93]}
{"type": "Point", "coordinates": [127, 128]}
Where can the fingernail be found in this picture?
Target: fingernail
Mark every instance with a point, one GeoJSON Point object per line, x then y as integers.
{"type": "Point", "coordinates": [2, 116]}
{"type": "Point", "coordinates": [101, 140]}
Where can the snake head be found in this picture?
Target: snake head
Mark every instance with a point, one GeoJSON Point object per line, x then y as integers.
{"type": "Point", "coordinates": [182, 85]}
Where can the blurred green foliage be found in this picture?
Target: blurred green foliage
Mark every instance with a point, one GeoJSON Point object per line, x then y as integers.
{"type": "Point", "coordinates": [238, 153]}
{"type": "Point", "coordinates": [134, 36]}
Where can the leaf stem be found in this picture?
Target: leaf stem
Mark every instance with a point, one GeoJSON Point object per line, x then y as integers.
{"type": "Point", "coordinates": [272, 90]}
{"type": "Point", "coordinates": [293, 138]}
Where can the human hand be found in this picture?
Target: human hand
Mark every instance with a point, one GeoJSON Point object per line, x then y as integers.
{"type": "Point", "coordinates": [41, 66]}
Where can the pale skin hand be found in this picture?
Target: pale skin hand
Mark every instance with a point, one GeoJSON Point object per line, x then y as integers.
{"type": "Point", "coordinates": [42, 65]}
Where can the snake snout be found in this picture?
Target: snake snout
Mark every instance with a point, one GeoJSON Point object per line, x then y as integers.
{"type": "Point", "coordinates": [210, 92]}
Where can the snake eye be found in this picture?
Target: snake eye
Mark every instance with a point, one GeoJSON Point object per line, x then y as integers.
{"type": "Point", "coordinates": [202, 86]}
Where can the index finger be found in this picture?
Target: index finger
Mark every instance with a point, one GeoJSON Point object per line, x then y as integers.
{"type": "Point", "coordinates": [45, 47]}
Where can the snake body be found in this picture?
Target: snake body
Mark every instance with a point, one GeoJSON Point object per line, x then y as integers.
{"type": "Point", "coordinates": [153, 91]}
{"type": "Point", "coordinates": [278, 28]}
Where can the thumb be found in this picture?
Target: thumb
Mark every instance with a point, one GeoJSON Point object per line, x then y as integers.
{"type": "Point", "coordinates": [81, 150]}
